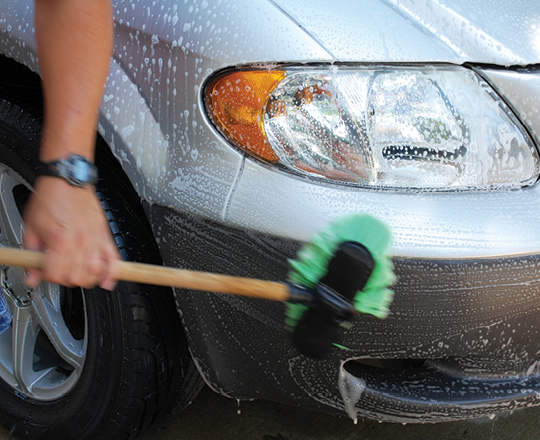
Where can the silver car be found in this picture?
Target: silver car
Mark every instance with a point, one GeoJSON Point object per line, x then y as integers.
{"type": "Point", "coordinates": [230, 132]}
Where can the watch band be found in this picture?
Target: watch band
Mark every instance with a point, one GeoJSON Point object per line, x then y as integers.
{"type": "Point", "coordinates": [77, 170]}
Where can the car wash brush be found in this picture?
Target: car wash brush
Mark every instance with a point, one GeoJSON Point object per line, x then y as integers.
{"type": "Point", "coordinates": [348, 269]}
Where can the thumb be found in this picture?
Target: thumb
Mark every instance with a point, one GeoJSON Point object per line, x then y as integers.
{"type": "Point", "coordinates": [32, 242]}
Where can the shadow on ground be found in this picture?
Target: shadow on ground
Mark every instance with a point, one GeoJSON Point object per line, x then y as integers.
{"type": "Point", "coordinates": [214, 417]}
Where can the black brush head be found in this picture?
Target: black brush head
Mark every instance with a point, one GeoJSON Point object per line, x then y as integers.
{"type": "Point", "coordinates": [348, 272]}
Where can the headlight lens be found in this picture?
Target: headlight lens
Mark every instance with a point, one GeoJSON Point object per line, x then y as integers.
{"type": "Point", "coordinates": [436, 128]}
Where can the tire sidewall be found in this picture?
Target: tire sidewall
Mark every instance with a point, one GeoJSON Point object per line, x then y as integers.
{"type": "Point", "coordinates": [88, 409]}
{"type": "Point", "coordinates": [72, 416]}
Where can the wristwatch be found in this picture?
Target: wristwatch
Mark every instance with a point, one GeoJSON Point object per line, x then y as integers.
{"type": "Point", "coordinates": [76, 169]}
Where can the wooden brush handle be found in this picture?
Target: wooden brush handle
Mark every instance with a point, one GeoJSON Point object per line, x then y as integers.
{"type": "Point", "coordinates": [166, 276]}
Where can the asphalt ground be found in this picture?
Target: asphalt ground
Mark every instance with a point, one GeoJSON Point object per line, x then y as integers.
{"type": "Point", "coordinates": [214, 417]}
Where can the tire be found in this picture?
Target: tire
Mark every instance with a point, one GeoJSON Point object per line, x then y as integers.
{"type": "Point", "coordinates": [112, 363]}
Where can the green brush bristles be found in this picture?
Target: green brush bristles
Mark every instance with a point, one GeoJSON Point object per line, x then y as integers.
{"type": "Point", "coordinates": [312, 262]}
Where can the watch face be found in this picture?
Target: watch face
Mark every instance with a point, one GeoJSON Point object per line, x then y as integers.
{"type": "Point", "coordinates": [80, 171]}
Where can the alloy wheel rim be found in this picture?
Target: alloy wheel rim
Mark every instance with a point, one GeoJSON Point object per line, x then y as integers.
{"type": "Point", "coordinates": [42, 353]}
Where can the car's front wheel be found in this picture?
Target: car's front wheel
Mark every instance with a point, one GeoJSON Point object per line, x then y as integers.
{"type": "Point", "coordinates": [84, 364]}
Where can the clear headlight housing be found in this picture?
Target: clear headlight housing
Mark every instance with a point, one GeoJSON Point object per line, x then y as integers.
{"type": "Point", "coordinates": [431, 128]}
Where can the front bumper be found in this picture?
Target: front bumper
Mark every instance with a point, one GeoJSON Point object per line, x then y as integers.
{"type": "Point", "coordinates": [462, 339]}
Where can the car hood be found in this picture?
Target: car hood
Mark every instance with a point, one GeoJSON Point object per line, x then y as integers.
{"type": "Point", "coordinates": [503, 32]}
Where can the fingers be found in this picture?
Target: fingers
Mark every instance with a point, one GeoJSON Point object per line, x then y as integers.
{"type": "Point", "coordinates": [33, 278]}
{"type": "Point", "coordinates": [83, 263]}
{"type": "Point", "coordinates": [81, 268]}
{"type": "Point", "coordinates": [84, 268]}
{"type": "Point", "coordinates": [58, 266]}
{"type": "Point", "coordinates": [32, 242]}
{"type": "Point", "coordinates": [95, 266]}
{"type": "Point", "coordinates": [109, 280]}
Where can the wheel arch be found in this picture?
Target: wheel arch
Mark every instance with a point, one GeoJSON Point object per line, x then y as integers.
{"type": "Point", "coordinates": [147, 312]}
{"type": "Point", "coordinates": [22, 84]}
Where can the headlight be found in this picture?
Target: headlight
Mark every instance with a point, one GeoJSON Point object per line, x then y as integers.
{"type": "Point", "coordinates": [432, 128]}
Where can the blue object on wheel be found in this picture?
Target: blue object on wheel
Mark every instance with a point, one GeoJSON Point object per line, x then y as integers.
{"type": "Point", "coordinates": [5, 313]}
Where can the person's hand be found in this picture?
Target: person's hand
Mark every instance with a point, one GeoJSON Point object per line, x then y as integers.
{"type": "Point", "coordinates": [68, 224]}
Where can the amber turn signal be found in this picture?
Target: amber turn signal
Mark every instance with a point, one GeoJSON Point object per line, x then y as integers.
{"type": "Point", "coordinates": [236, 103]}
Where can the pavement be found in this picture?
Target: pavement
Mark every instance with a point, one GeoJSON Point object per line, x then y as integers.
{"type": "Point", "coordinates": [214, 417]}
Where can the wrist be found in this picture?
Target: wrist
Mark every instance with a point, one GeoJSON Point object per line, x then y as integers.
{"type": "Point", "coordinates": [57, 144]}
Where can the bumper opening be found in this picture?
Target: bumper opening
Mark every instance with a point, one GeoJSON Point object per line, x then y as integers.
{"type": "Point", "coordinates": [419, 388]}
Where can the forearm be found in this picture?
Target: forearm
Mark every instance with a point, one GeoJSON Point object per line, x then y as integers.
{"type": "Point", "coordinates": [74, 46]}
{"type": "Point", "coordinates": [67, 222]}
